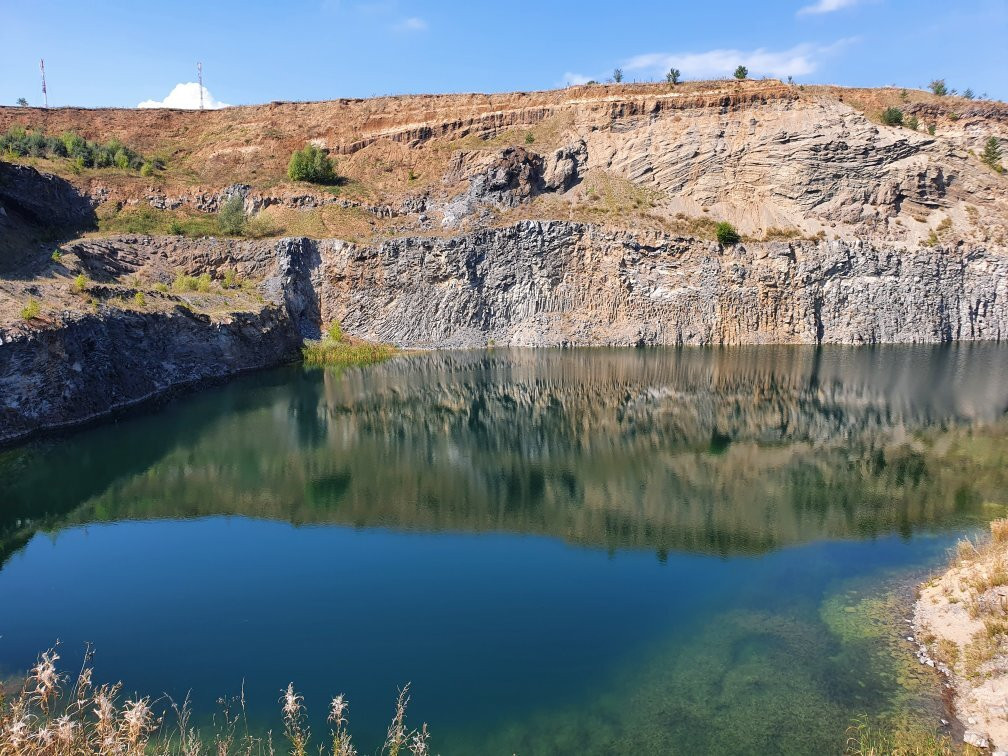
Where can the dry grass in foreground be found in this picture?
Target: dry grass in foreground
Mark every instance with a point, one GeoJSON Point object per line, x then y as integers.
{"type": "Point", "coordinates": [336, 349]}
{"type": "Point", "coordinates": [47, 718]}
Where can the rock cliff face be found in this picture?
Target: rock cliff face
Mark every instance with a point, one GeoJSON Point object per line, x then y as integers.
{"type": "Point", "coordinates": [96, 365]}
{"type": "Point", "coordinates": [533, 283]}
{"type": "Point", "coordinates": [559, 283]}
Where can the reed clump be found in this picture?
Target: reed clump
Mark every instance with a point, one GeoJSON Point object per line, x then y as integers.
{"type": "Point", "coordinates": [51, 714]}
{"type": "Point", "coordinates": [902, 738]}
{"type": "Point", "coordinates": [335, 348]}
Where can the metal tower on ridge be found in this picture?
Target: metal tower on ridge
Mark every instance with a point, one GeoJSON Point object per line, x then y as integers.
{"type": "Point", "coordinates": [45, 95]}
{"type": "Point", "coordinates": [199, 71]}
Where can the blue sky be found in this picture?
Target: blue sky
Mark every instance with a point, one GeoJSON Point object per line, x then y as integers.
{"type": "Point", "coordinates": [122, 53]}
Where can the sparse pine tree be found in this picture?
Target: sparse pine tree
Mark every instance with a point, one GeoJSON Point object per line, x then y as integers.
{"type": "Point", "coordinates": [672, 77]}
{"type": "Point", "coordinates": [938, 87]}
{"type": "Point", "coordinates": [968, 93]}
{"type": "Point", "coordinates": [22, 102]}
{"type": "Point", "coordinates": [741, 72]}
{"type": "Point", "coordinates": [991, 154]}
{"type": "Point", "coordinates": [892, 117]}
{"type": "Point", "coordinates": [617, 75]}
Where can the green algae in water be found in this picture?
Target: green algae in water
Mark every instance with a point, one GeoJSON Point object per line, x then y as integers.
{"type": "Point", "coordinates": [751, 682]}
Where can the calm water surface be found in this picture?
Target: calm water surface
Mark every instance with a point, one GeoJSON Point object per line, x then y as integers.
{"type": "Point", "coordinates": [598, 551]}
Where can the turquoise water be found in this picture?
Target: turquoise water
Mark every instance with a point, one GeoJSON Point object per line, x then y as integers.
{"type": "Point", "coordinates": [591, 551]}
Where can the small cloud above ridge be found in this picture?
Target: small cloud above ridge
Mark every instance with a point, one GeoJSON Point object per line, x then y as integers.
{"type": "Point", "coordinates": [186, 96]}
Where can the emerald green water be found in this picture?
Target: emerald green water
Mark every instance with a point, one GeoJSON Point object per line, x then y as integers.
{"type": "Point", "coordinates": [589, 551]}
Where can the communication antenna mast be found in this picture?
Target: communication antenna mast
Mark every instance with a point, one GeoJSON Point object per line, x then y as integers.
{"type": "Point", "coordinates": [199, 71]}
{"type": "Point", "coordinates": [45, 95]}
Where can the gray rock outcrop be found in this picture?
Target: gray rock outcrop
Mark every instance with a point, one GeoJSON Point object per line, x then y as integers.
{"type": "Point", "coordinates": [98, 364]}
{"type": "Point", "coordinates": [560, 284]}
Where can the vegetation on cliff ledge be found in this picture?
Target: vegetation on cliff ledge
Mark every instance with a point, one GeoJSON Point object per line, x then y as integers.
{"type": "Point", "coordinates": [82, 153]}
{"type": "Point", "coordinates": [334, 348]}
{"type": "Point", "coordinates": [311, 164]}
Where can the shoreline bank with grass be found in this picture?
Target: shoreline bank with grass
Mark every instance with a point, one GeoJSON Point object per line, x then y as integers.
{"type": "Point", "coordinates": [960, 626]}
{"type": "Point", "coordinates": [336, 349]}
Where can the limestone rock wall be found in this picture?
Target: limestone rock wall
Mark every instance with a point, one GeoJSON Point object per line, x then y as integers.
{"type": "Point", "coordinates": [557, 283]}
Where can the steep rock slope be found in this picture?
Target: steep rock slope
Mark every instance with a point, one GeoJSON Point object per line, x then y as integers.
{"type": "Point", "coordinates": [96, 365]}
{"type": "Point", "coordinates": [557, 283]}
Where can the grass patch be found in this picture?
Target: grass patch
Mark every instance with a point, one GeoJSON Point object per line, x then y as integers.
{"type": "Point", "coordinates": [150, 221]}
{"type": "Point", "coordinates": [31, 310]}
{"type": "Point", "coordinates": [184, 283]}
{"type": "Point", "coordinates": [335, 349]}
{"type": "Point", "coordinates": [780, 234]}
{"type": "Point", "coordinates": [982, 649]}
{"type": "Point", "coordinates": [327, 352]}
{"type": "Point", "coordinates": [948, 652]}
{"type": "Point", "coordinates": [901, 738]}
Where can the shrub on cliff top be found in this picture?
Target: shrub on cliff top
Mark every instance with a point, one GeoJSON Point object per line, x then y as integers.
{"type": "Point", "coordinates": [726, 234]}
{"type": "Point", "coordinates": [231, 216]}
{"type": "Point", "coordinates": [892, 117]}
{"type": "Point", "coordinates": [741, 72]}
{"type": "Point", "coordinates": [938, 87]}
{"type": "Point", "coordinates": [311, 164]}
{"type": "Point", "coordinates": [81, 152]}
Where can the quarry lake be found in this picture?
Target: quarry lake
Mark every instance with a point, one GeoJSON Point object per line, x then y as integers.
{"type": "Point", "coordinates": [581, 551]}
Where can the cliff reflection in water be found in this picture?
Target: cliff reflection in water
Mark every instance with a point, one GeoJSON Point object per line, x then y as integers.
{"type": "Point", "coordinates": [724, 451]}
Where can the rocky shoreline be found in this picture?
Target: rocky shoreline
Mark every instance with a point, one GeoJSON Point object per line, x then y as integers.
{"type": "Point", "coordinates": [958, 628]}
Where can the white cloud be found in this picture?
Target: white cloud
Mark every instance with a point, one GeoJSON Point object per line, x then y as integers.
{"type": "Point", "coordinates": [574, 78]}
{"type": "Point", "coordinates": [186, 97]}
{"type": "Point", "coordinates": [826, 6]}
{"type": "Point", "coordinates": [799, 60]}
{"type": "Point", "coordinates": [411, 24]}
